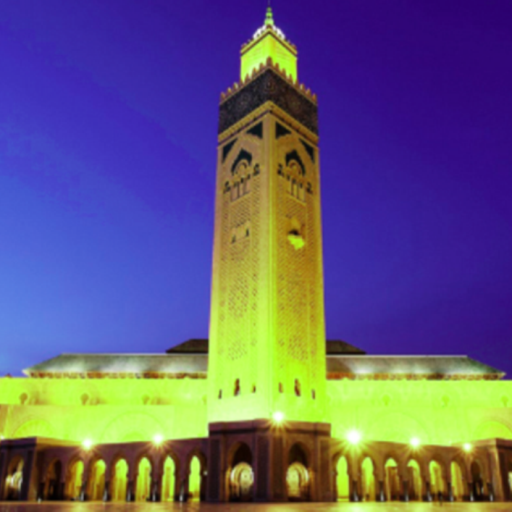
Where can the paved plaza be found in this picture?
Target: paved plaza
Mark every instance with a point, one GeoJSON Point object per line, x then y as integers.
{"type": "Point", "coordinates": [251, 507]}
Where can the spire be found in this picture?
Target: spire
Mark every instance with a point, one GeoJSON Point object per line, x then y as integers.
{"type": "Point", "coordinates": [269, 18]}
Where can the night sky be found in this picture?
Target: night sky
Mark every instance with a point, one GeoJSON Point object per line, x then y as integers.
{"type": "Point", "coordinates": [108, 125]}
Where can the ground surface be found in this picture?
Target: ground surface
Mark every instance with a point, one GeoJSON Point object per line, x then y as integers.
{"type": "Point", "coordinates": [251, 507]}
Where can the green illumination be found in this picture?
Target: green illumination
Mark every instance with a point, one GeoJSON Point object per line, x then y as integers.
{"type": "Point", "coordinates": [354, 437]}
{"type": "Point", "coordinates": [269, 41]}
{"type": "Point", "coordinates": [269, 18]}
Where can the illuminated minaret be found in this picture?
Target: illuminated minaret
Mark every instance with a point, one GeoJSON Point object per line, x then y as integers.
{"type": "Point", "coordinates": [267, 336]}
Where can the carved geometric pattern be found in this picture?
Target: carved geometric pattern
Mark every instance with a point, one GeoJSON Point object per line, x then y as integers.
{"type": "Point", "coordinates": [268, 86]}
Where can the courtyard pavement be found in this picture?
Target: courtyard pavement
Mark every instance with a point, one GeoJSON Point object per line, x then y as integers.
{"type": "Point", "coordinates": [251, 507]}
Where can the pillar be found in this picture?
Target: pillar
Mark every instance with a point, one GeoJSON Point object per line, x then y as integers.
{"type": "Point", "coordinates": [381, 495]}
{"type": "Point", "coordinates": [405, 487]}
{"type": "Point", "coordinates": [156, 487]}
{"type": "Point", "coordinates": [428, 493]}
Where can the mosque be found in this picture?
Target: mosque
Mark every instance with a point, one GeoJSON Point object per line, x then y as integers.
{"type": "Point", "coordinates": [266, 409]}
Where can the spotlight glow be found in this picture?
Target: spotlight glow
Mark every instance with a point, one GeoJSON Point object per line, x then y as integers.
{"type": "Point", "coordinates": [278, 416]}
{"type": "Point", "coordinates": [415, 442]}
{"type": "Point", "coordinates": [354, 437]}
{"type": "Point", "coordinates": [87, 444]}
{"type": "Point", "coordinates": [158, 439]}
{"type": "Point", "coordinates": [467, 447]}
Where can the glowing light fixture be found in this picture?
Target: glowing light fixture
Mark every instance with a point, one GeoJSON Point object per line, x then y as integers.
{"type": "Point", "coordinates": [158, 439]}
{"type": "Point", "coordinates": [354, 437]}
{"type": "Point", "coordinates": [415, 442]}
{"type": "Point", "coordinates": [278, 416]}
{"type": "Point", "coordinates": [87, 444]}
{"type": "Point", "coordinates": [467, 447]}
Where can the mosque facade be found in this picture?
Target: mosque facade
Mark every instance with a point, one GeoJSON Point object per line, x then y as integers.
{"type": "Point", "coordinates": [266, 409]}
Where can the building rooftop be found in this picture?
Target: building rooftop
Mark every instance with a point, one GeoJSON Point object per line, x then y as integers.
{"type": "Point", "coordinates": [370, 367]}
{"type": "Point", "coordinates": [190, 359]}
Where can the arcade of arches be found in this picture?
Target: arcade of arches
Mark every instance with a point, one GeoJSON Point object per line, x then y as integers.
{"type": "Point", "coordinates": [428, 476]}
{"type": "Point", "coordinates": [372, 472]}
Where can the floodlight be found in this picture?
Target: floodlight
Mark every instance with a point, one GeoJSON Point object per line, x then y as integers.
{"type": "Point", "coordinates": [354, 437]}
{"type": "Point", "coordinates": [278, 416]}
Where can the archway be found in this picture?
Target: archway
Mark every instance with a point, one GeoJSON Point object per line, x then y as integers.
{"type": "Point", "coordinates": [74, 477]}
{"type": "Point", "coordinates": [194, 480]}
{"type": "Point", "coordinates": [169, 480]}
{"type": "Point", "coordinates": [14, 480]}
{"type": "Point", "coordinates": [437, 484]}
{"type": "Point", "coordinates": [342, 479]}
{"type": "Point", "coordinates": [478, 481]}
{"type": "Point", "coordinates": [143, 485]}
{"type": "Point", "coordinates": [368, 480]}
{"type": "Point", "coordinates": [297, 476]}
{"type": "Point", "coordinates": [241, 477]}
{"type": "Point", "coordinates": [457, 481]}
{"type": "Point", "coordinates": [52, 481]}
{"type": "Point", "coordinates": [120, 480]}
{"type": "Point", "coordinates": [391, 480]}
{"type": "Point", "coordinates": [414, 479]}
{"type": "Point", "coordinates": [97, 481]}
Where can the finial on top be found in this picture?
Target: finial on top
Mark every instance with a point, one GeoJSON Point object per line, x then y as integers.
{"type": "Point", "coordinates": [269, 18]}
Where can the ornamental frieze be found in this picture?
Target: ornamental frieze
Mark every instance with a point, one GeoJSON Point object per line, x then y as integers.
{"type": "Point", "coordinates": [268, 86]}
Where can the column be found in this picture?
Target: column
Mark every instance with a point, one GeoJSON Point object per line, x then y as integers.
{"type": "Point", "coordinates": [156, 486]}
{"type": "Point", "coordinates": [381, 495]}
{"type": "Point", "coordinates": [428, 494]}
{"type": "Point", "coordinates": [405, 486]}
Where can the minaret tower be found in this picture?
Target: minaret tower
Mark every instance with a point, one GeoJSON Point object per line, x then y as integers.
{"type": "Point", "coordinates": [267, 335]}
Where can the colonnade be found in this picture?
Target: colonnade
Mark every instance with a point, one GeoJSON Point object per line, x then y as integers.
{"type": "Point", "coordinates": [366, 476]}
{"type": "Point", "coordinates": [118, 479]}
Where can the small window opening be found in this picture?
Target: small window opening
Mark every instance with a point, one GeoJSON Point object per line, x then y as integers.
{"type": "Point", "coordinates": [237, 387]}
{"type": "Point", "coordinates": [254, 388]}
{"type": "Point", "coordinates": [220, 394]}
{"type": "Point", "coordinates": [297, 387]}
{"type": "Point", "coordinates": [247, 232]}
{"type": "Point", "coordinates": [280, 387]}
{"type": "Point", "coordinates": [313, 394]}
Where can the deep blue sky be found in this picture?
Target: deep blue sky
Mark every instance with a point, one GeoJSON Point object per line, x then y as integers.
{"type": "Point", "coordinates": [108, 116]}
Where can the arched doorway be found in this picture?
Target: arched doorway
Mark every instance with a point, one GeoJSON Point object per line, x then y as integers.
{"type": "Point", "coordinates": [457, 481]}
{"type": "Point", "coordinates": [342, 479]}
{"type": "Point", "coordinates": [52, 481]}
{"type": "Point", "coordinates": [391, 480]}
{"type": "Point", "coordinates": [14, 480]}
{"type": "Point", "coordinates": [241, 477]}
{"type": "Point", "coordinates": [477, 481]}
{"type": "Point", "coordinates": [143, 485]}
{"type": "Point", "coordinates": [297, 476]}
{"type": "Point", "coordinates": [169, 480]}
{"type": "Point", "coordinates": [96, 486]}
{"type": "Point", "coordinates": [194, 480]}
{"type": "Point", "coordinates": [414, 479]}
{"type": "Point", "coordinates": [119, 480]}
{"type": "Point", "coordinates": [368, 491]}
{"type": "Point", "coordinates": [74, 477]}
{"type": "Point", "coordinates": [437, 484]}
